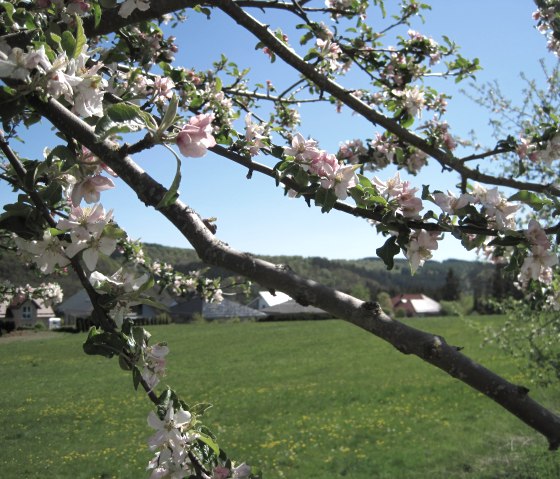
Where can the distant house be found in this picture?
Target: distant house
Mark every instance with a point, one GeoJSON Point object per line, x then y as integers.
{"type": "Point", "coordinates": [197, 307]}
{"type": "Point", "coordinates": [26, 313]}
{"type": "Point", "coordinates": [292, 310]}
{"type": "Point", "coordinates": [416, 305]}
{"type": "Point", "coordinates": [266, 299]}
{"type": "Point", "coordinates": [77, 309]}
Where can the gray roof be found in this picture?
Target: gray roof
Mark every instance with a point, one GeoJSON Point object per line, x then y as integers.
{"type": "Point", "coordinates": [224, 310]}
{"type": "Point", "coordinates": [293, 308]}
{"type": "Point", "coordinates": [78, 304]}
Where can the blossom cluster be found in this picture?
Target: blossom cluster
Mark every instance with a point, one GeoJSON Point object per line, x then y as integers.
{"type": "Point", "coordinates": [69, 78]}
{"type": "Point", "coordinates": [402, 198]}
{"type": "Point", "coordinates": [174, 442]}
{"type": "Point", "coordinates": [540, 152]}
{"type": "Point", "coordinates": [420, 247]}
{"type": "Point", "coordinates": [322, 164]}
{"type": "Point", "coordinates": [547, 21]}
{"type": "Point", "coordinates": [538, 264]}
{"type": "Point", "coordinates": [49, 293]}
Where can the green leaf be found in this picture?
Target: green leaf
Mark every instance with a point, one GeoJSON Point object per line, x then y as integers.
{"type": "Point", "coordinates": [173, 191]}
{"type": "Point", "coordinates": [96, 14]}
{"type": "Point", "coordinates": [200, 408]}
{"type": "Point", "coordinates": [9, 9]}
{"type": "Point", "coordinates": [122, 112]}
{"type": "Point", "coordinates": [209, 442]}
{"type": "Point", "coordinates": [103, 343]}
{"type": "Point", "coordinates": [68, 43]}
{"type": "Point", "coordinates": [55, 38]}
{"type": "Point", "coordinates": [532, 199]}
{"type": "Point", "coordinates": [388, 251]}
{"type": "Point", "coordinates": [136, 377]}
{"type": "Point", "coordinates": [170, 115]}
{"type": "Point", "coordinates": [81, 39]}
{"type": "Point", "coordinates": [325, 199]}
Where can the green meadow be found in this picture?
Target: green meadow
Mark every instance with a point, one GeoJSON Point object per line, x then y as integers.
{"type": "Point", "coordinates": [298, 399]}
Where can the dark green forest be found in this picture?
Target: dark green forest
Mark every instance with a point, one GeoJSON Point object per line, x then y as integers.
{"type": "Point", "coordinates": [363, 278]}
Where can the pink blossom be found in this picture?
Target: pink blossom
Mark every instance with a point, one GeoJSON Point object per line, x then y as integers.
{"type": "Point", "coordinates": [341, 179]}
{"type": "Point", "coordinates": [420, 247]}
{"type": "Point", "coordinates": [409, 204]}
{"type": "Point", "coordinates": [412, 100]}
{"type": "Point", "coordinates": [86, 222]}
{"type": "Point", "coordinates": [538, 266]}
{"type": "Point", "coordinates": [254, 136]}
{"type": "Point", "coordinates": [536, 234]}
{"type": "Point", "coordinates": [351, 151]}
{"type": "Point", "coordinates": [196, 136]}
{"type": "Point", "coordinates": [220, 472]}
{"type": "Point", "coordinates": [89, 189]}
{"type": "Point", "coordinates": [163, 89]}
{"type": "Point", "coordinates": [450, 203]}
{"type": "Point", "coordinates": [302, 149]}
{"type": "Point", "coordinates": [130, 5]}
{"type": "Point", "coordinates": [323, 164]}
{"type": "Point", "coordinates": [391, 188]}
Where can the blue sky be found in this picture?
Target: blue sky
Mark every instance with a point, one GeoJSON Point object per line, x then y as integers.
{"type": "Point", "coordinates": [255, 216]}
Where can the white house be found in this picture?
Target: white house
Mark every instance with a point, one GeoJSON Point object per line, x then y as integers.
{"type": "Point", "coordinates": [416, 305]}
{"type": "Point", "coordinates": [266, 299]}
{"type": "Point", "coordinates": [25, 312]}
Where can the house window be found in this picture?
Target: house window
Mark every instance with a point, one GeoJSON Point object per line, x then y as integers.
{"type": "Point", "coordinates": [26, 312]}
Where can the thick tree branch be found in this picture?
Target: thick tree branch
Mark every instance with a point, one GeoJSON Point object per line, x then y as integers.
{"type": "Point", "coordinates": [368, 316]}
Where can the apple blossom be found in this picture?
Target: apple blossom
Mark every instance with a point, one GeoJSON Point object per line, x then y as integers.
{"type": "Point", "coordinates": [412, 100]}
{"type": "Point", "coordinates": [254, 136]}
{"type": "Point", "coordinates": [121, 280]}
{"type": "Point", "coordinates": [341, 179]}
{"type": "Point", "coordinates": [86, 222]}
{"type": "Point", "coordinates": [536, 235]}
{"type": "Point", "coordinates": [301, 149]}
{"type": "Point", "coordinates": [449, 203]}
{"type": "Point", "coordinates": [351, 151]}
{"type": "Point", "coordinates": [537, 266]}
{"type": "Point", "coordinates": [91, 248]}
{"type": "Point", "coordinates": [196, 136]}
{"type": "Point", "coordinates": [154, 363]}
{"type": "Point", "coordinates": [47, 253]}
{"type": "Point", "coordinates": [128, 6]}
{"type": "Point", "coordinates": [90, 188]}
{"type": "Point", "coordinates": [420, 247]}
{"type": "Point", "coordinates": [409, 204]}
{"type": "Point", "coordinates": [163, 89]}
{"type": "Point", "coordinates": [391, 188]}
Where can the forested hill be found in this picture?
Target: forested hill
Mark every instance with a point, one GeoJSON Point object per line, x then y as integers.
{"type": "Point", "coordinates": [364, 278]}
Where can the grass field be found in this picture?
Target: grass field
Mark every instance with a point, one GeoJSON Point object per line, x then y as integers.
{"type": "Point", "coordinates": [300, 399]}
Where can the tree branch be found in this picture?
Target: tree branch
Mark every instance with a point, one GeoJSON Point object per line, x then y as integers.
{"type": "Point", "coordinates": [368, 316]}
{"type": "Point", "coordinates": [446, 159]}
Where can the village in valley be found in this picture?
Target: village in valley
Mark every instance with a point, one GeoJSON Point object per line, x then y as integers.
{"type": "Point", "coordinates": [440, 289]}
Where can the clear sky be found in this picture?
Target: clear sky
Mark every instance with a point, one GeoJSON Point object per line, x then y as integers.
{"type": "Point", "coordinates": [255, 216]}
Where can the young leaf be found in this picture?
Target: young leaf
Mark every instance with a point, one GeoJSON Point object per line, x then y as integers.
{"type": "Point", "coordinates": [81, 39]}
{"type": "Point", "coordinates": [172, 193]}
{"type": "Point", "coordinates": [169, 116]}
{"type": "Point", "coordinates": [388, 251]}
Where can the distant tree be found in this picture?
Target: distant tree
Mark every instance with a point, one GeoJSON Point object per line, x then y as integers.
{"type": "Point", "coordinates": [359, 290]}
{"type": "Point", "coordinates": [451, 289]}
{"type": "Point", "coordinates": [384, 300]}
